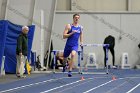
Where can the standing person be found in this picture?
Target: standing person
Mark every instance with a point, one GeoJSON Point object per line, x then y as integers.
{"type": "Point", "coordinates": [111, 41]}
{"type": "Point", "coordinates": [21, 51]}
{"type": "Point", "coordinates": [72, 32]}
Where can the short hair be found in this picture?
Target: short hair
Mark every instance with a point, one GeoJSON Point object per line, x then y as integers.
{"type": "Point", "coordinates": [25, 27]}
{"type": "Point", "coordinates": [139, 45]}
{"type": "Point", "coordinates": [76, 15]}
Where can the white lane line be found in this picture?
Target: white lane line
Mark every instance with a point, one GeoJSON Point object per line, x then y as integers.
{"type": "Point", "coordinates": [133, 88]}
{"type": "Point", "coordinates": [60, 86]}
{"type": "Point", "coordinates": [110, 82]}
{"type": "Point", "coordinates": [98, 86]}
{"type": "Point", "coordinates": [31, 85]}
{"type": "Point", "coordinates": [74, 86]}
{"type": "Point", "coordinates": [113, 89]}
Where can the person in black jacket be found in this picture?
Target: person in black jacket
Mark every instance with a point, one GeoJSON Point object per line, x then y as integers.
{"type": "Point", "coordinates": [111, 41]}
{"type": "Point", "coordinates": [21, 51]}
{"type": "Point", "coordinates": [139, 45]}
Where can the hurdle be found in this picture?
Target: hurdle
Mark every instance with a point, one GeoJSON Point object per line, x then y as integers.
{"type": "Point", "coordinates": [54, 60]}
{"type": "Point", "coordinates": [94, 45]}
{"type": "Point", "coordinates": [2, 66]}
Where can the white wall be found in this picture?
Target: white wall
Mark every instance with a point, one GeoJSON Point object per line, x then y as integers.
{"type": "Point", "coordinates": [102, 5]}
{"type": "Point", "coordinates": [99, 25]}
{"type": "Point", "coordinates": [135, 5]}
{"type": "Point", "coordinates": [19, 12]}
{"type": "Point", "coordinates": [99, 5]}
{"type": "Point", "coordinates": [27, 12]}
{"type": "Point", "coordinates": [48, 6]}
{"type": "Point", "coordinates": [0, 8]}
{"type": "Point", "coordinates": [3, 4]}
{"type": "Point", "coordinates": [63, 5]}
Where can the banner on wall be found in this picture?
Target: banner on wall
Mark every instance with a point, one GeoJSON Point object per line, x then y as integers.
{"type": "Point", "coordinates": [8, 39]}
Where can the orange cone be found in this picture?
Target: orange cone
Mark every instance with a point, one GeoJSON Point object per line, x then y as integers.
{"type": "Point", "coordinates": [82, 78]}
{"type": "Point", "coordinates": [113, 78]}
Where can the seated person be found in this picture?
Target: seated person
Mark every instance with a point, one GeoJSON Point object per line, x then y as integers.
{"type": "Point", "coordinates": [37, 63]}
{"type": "Point", "coordinates": [60, 58]}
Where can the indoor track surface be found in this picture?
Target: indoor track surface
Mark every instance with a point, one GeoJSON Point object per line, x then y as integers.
{"type": "Point", "coordinates": [117, 81]}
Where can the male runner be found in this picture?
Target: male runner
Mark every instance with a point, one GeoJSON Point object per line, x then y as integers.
{"type": "Point", "coordinates": [72, 32]}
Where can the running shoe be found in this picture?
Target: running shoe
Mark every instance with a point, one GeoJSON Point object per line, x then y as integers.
{"type": "Point", "coordinates": [69, 74]}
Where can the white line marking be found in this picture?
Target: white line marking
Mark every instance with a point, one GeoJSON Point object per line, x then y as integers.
{"type": "Point", "coordinates": [61, 86]}
{"type": "Point", "coordinates": [45, 82]}
{"type": "Point", "coordinates": [110, 82]}
{"type": "Point", "coordinates": [111, 91]}
{"type": "Point", "coordinates": [31, 84]}
{"type": "Point", "coordinates": [133, 88]}
{"type": "Point", "coordinates": [98, 86]}
{"type": "Point", "coordinates": [74, 86]}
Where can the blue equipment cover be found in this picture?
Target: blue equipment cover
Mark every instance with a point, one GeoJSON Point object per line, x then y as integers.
{"type": "Point", "coordinates": [8, 40]}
